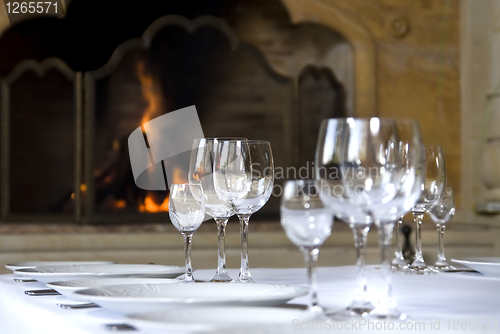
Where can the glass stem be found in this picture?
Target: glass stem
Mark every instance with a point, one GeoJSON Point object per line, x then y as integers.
{"type": "Point", "coordinates": [221, 255]}
{"type": "Point", "coordinates": [188, 237]}
{"type": "Point", "coordinates": [441, 257]}
{"type": "Point", "coordinates": [360, 238]}
{"type": "Point", "coordinates": [419, 259]}
{"type": "Point", "coordinates": [245, 275]}
{"type": "Point", "coordinates": [399, 259]}
{"type": "Point", "coordinates": [311, 258]}
{"type": "Point", "coordinates": [385, 239]}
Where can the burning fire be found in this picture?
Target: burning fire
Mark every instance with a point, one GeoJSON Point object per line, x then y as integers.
{"type": "Point", "coordinates": [151, 206]}
{"type": "Point", "coordinates": [151, 93]}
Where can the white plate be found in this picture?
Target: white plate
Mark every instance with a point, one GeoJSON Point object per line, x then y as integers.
{"type": "Point", "coordinates": [67, 288]}
{"type": "Point", "coordinates": [162, 297]}
{"type": "Point", "coordinates": [213, 318]}
{"type": "Point", "coordinates": [488, 266]}
{"type": "Point", "coordinates": [46, 274]}
{"type": "Point", "coordinates": [33, 264]}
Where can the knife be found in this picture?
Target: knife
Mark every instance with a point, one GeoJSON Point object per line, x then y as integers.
{"type": "Point", "coordinates": [44, 292]}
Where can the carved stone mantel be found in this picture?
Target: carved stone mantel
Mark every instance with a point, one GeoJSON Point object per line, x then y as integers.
{"type": "Point", "coordinates": [360, 38]}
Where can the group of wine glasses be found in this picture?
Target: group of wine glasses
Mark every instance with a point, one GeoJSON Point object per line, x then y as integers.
{"type": "Point", "coordinates": [227, 176]}
{"type": "Point", "coordinates": [437, 200]}
{"type": "Point", "coordinates": [368, 171]}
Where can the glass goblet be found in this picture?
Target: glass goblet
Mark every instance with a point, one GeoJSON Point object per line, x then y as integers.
{"type": "Point", "coordinates": [441, 213]}
{"type": "Point", "coordinates": [432, 189]}
{"type": "Point", "coordinates": [307, 223]}
{"type": "Point", "coordinates": [329, 151]}
{"type": "Point", "coordinates": [186, 211]}
{"type": "Point", "coordinates": [373, 176]}
{"type": "Point", "coordinates": [244, 177]}
{"type": "Point", "coordinates": [201, 171]}
{"type": "Point", "coordinates": [411, 151]}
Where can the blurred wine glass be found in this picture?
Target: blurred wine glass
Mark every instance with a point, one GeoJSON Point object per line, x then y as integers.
{"type": "Point", "coordinates": [441, 212]}
{"type": "Point", "coordinates": [329, 152]}
{"type": "Point", "coordinates": [432, 189]}
{"type": "Point", "coordinates": [307, 223]}
{"type": "Point", "coordinates": [412, 154]}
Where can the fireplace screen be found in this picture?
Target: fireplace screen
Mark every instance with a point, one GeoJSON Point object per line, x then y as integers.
{"type": "Point", "coordinates": [64, 150]}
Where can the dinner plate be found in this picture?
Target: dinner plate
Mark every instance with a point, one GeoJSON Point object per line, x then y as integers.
{"type": "Point", "coordinates": [213, 318]}
{"type": "Point", "coordinates": [488, 266]}
{"type": "Point", "coordinates": [67, 288]}
{"type": "Point", "coordinates": [46, 274]}
{"type": "Point", "coordinates": [33, 264]}
{"type": "Point", "coordinates": [163, 297]}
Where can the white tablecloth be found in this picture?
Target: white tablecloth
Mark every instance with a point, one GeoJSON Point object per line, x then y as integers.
{"type": "Point", "coordinates": [443, 297]}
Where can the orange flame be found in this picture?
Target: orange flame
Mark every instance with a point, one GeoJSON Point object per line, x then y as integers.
{"type": "Point", "coordinates": [151, 206]}
{"type": "Point", "coordinates": [151, 93]}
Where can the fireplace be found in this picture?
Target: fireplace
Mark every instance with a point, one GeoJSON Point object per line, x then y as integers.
{"type": "Point", "coordinates": [251, 73]}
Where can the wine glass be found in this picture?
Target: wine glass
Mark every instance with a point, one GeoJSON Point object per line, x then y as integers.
{"type": "Point", "coordinates": [441, 213]}
{"type": "Point", "coordinates": [432, 189]}
{"type": "Point", "coordinates": [187, 211]}
{"type": "Point", "coordinates": [307, 223]}
{"type": "Point", "coordinates": [412, 154]}
{"type": "Point", "coordinates": [373, 176]}
{"type": "Point", "coordinates": [329, 151]}
{"type": "Point", "coordinates": [201, 170]}
{"type": "Point", "coordinates": [244, 178]}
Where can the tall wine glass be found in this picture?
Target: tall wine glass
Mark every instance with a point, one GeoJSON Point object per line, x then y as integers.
{"type": "Point", "coordinates": [244, 178]}
{"type": "Point", "coordinates": [307, 223]}
{"type": "Point", "coordinates": [201, 171]}
{"type": "Point", "coordinates": [373, 174]}
{"type": "Point", "coordinates": [329, 152]}
{"type": "Point", "coordinates": [412, 153]}
{"type": "Point", "coordinates": [441, 213]}
{"type": "Point", "coordinates": [432, 189]}
{"type": "Point", "coordinates": [187, 211]}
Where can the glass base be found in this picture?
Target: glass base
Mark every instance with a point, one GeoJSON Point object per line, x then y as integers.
{"type": "Point", "coordinates": [245, 280]}
{"type": "Point", "coordinates": [222, 278]}
{"type": "Point", "coordinates": [443, 267]}
{"type": "Point", "coordinates": [422, 270]}
{"type": "Point", "coordinates": [400, 268]}
{"type": "Point", "coordinates": [388, 312]}
{"type": "Point", "coordinates": [354, 311]}
{"type": "Point", "coordinates": [392, 315]}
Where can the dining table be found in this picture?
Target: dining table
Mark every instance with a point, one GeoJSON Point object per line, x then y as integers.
{"type": "Point", "coordinates": [445, 302]}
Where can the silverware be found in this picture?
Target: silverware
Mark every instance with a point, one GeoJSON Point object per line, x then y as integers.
{"type": "Point", "coordinates": [460, 271]}
{"type": "Point", "coordinates": [24, 280]}
{"type": "Point", "coordinates": [118, 327]}
{"type": "Point", "coordinates": [77, 306]}
{"type": "Point", "coordinates": [44, 292]}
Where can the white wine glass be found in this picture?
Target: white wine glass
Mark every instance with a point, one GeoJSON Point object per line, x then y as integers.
{"type": "Point", "coordinates": [432, 189]}
{"type": "Point", "coordinates": [329, 152]}
{"type": "Point", "coordinates": [412, 153]}
{"type": "Point", "coordinates": [244, 178]}
{"type": "Point", "coordinates": [187, 212]}
{"type": "Point", "coordinates": [201, 171]}
{"type": "Point", "coordinates": [372, 169]}
{"type": "Point", "coordinates": [441, 212]}
{"type": "Point", "coordinates": [307, 223]}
